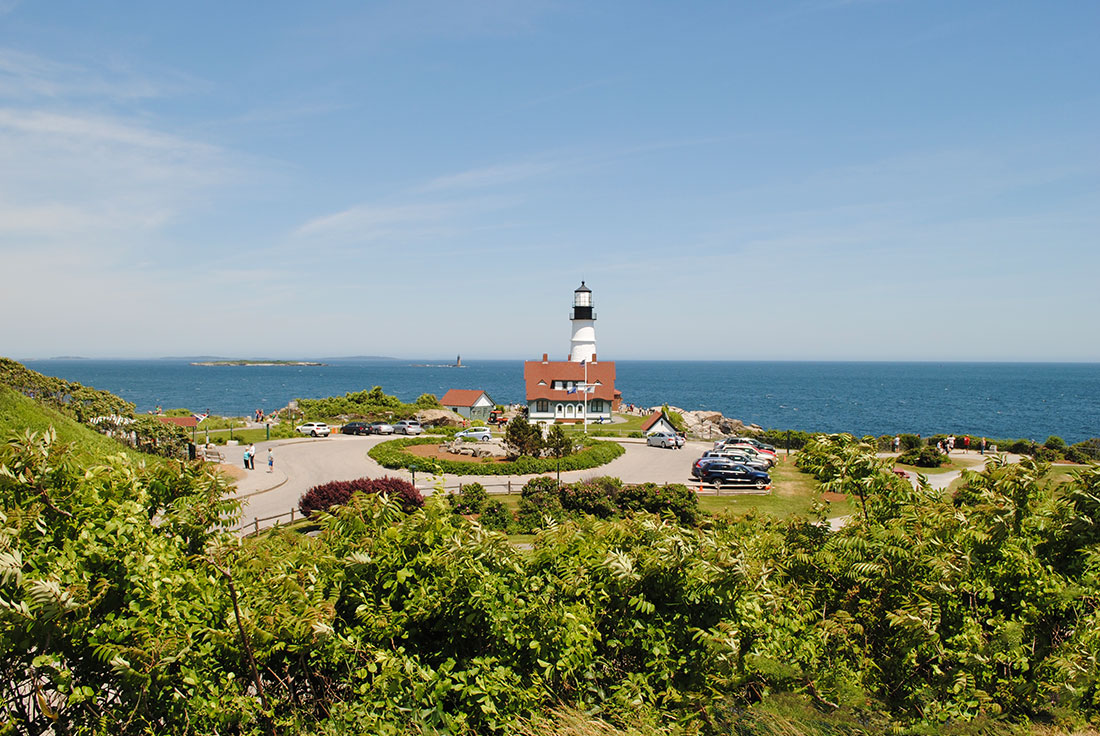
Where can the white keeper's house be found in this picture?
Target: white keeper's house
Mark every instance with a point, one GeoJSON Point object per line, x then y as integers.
{"type": "Point", "coordinates": [579, 389]}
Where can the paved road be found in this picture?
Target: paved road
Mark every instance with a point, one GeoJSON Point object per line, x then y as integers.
{"type": "Point", "coordinates": [303, 463]}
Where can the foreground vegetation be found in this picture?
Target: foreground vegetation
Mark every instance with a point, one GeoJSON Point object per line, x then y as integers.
{"type": "Point", "coordinates": [127, 607]}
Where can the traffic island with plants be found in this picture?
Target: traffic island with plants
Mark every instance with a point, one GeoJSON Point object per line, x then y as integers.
{"type": "Point", "coordinates": [528, 454]}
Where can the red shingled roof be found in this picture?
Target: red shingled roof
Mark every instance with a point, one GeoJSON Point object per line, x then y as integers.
{"type": "Point", "coordinates": [600, 375]}
{"type": "Point", "coordinates": [180, 421]}
{"type": "Point", "coordinates": [462, 397]}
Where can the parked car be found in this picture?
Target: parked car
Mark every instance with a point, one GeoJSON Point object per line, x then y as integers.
{"type": "Point", "coordinates": [665, 439]}
{"type": "Point", "coordinates": [476, 434]}
{"type": "Point", "coordinates": [408, 426]}
{"type": "Point", "coordinates": [740, 458]}
{"type": "Point", "coordinates": [355, 428]}
{"type": "Point", "coordinates": [727, 473]}
{"type": "Point", "coordinates": [381, 428]}
{"type": "Point", "coordinates": [761, 455]}
{"type": "Point", "coordinates": [314, 429]}
{"type": "Point", "coordinates": [745, 441]}
{"type": "Point", "coordinates": [704, 461]}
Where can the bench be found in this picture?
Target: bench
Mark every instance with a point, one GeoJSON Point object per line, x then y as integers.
{"type": "Point", "coordinates": [213, 456]}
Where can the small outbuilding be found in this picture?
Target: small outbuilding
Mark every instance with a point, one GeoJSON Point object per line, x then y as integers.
{"type": "Point", "coordinates": [658, 421]}
{"type": "Point", "coordinates": [473, 404]}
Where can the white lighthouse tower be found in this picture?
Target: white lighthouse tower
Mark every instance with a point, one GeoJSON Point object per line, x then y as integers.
{"type": "Point", "coordinates": [582, 348]}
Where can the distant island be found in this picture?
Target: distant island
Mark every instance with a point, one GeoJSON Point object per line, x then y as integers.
{"type": "Point", "coordinates": [258, 362]}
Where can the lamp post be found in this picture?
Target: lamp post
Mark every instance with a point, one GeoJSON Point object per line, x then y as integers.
{"type": "Point", "coordinates": [413, 469]}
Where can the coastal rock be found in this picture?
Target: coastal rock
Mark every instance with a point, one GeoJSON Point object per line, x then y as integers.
{"type": "Point", "coordinates": [440, 418]}
{"type": "Point", "coordinates": [474, 449]}
{"type": "Point", "coordinates": [712, 424]}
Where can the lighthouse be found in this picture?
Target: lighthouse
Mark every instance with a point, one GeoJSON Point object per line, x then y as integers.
{"type": "Point", "coordinates": [582, 347]}
{"type": "Point", "coordinates": [577, 390]}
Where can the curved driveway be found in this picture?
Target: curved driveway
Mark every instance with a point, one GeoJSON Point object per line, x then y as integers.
{"type": "Point", "coordinates": [303, 463]}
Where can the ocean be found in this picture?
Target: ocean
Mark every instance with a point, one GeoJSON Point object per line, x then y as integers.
{"type": "Point", "coordinates": [1003, 400]}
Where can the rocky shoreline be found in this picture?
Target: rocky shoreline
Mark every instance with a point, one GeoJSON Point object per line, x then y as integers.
{"type": "Point", "coordinates": [710, 424]}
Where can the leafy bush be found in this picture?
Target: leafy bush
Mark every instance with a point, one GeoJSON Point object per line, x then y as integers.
{"type": "Point", "coordinates": [924, 457]}
{"type": "Point", "coordinates": [325, 496]}
{"type": "Point", "coordinates": [392, 455]}
{"type": "Point", "coordinates": [129, 609]}
{"type": "Point", "coordinates": [539, 503]}
{"type": "Point", "coordinates": [496, 516]}
{"type": "Point", "coordinates": [1054, 442]}
{"type": "Point", "coordinates": [597, 497]}
{"type": "Point", "coordinates": [675, 498]}
{"type": "Point", "coordinates": [470, 499]}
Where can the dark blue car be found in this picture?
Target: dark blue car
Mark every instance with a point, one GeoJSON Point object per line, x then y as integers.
{"type": "Point", "coordinates": [723, 472]}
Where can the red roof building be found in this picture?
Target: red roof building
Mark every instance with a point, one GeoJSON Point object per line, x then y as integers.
{"type": "Point", "coordinates": [556, 390]}
{"type": "Point", "coordinates": [658, 422]}
{"type": "Point", "coordinates": [469, 403]}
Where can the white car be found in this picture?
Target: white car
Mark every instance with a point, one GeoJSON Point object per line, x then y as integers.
{"type": "Point", "coordinates": [477, 434]}
{"type": "Point", "coordinates": [665, 439]}
{"type": "Point", "coordinates": [408, 426]}
{"type": "Point", "coordinates": [314, 429]}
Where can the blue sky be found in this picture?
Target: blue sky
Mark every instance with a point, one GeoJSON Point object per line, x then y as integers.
{"type": "Point", "coordinates": [821, 179]}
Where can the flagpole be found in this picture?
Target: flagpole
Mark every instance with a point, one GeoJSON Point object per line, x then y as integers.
{"type": "Point", "coordinates": [586, 397]}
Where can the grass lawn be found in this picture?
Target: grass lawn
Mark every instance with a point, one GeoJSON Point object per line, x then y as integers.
{"type": "Point", "coordinates": [19, 414]}
{"type": "Point", "coordinates": [955, 463]}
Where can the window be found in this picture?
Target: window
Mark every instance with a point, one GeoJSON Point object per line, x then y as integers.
{"type": "Point", "coordinates": [542, 406]}
{"type": "Point", "coordinates": [595, 405]}
{"type": "Point", "coordinates": [559, 410]}
{"type": "Point", "coordinates": [557, 385]}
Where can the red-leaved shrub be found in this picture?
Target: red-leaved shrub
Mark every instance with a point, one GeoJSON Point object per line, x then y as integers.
{"type": "Point", "coordinates": [339, 492]}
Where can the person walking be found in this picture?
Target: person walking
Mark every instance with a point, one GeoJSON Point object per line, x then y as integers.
{"type": "Point", "coordinates": [966, 444]}
{"type": "Point", "coordinates": [252, 456]}
{"type": "Point", "coordinates": [270, 460]}
{"type": "Point", "coordinates": [981, 446]}
{"type": "Point", "coordinates": [897, 443]}
{"type": "Point", "coordinates": [247, 459]}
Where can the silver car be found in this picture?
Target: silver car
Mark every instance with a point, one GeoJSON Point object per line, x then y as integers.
{"type": "Point", "coordinates": [665, 439]}
{"type": "Point", "coordinates": [475, 434]}
{"type": "Point", "coordinates": [408, 426]}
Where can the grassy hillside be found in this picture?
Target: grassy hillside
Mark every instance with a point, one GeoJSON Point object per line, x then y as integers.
{"type": "Point", "coordinates": [19, 413]}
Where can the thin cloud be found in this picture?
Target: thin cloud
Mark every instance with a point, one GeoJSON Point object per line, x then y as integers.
{"type": "Point", "coordinates": [489, 176]}
{"type": "Point", "coordinates": [26, 76]}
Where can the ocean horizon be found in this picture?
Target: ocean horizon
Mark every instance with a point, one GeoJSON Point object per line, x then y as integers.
{"type": "Point", "coordinates": [995, 399]}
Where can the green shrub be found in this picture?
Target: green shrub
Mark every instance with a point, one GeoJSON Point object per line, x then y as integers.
{"type": "Point", "coordinates": [470, 499]}
{"type": "Point", "coordinates": [676, 498]}
{"type": "Point", "coordinates": [596, 497]}
{"type": "Point", "coordinates": [1054, 442]}
{"type": "Point", "coordinates": [539, 503]}
{"type": "Point", "coordinates": [924, 457]}
{"type": "Point", "coordinates": [496, 516]}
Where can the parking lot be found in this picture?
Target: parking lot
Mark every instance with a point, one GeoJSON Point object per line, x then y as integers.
{"type": "Point", "coordinates": [303, 463]}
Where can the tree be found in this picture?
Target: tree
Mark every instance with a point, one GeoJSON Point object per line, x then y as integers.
{"type": "Point", "coordinates": [523, 438]}
{"type": "Point", "coordinates": [557, 443]}
{"type": "Point", "coordinates": [428, 401]}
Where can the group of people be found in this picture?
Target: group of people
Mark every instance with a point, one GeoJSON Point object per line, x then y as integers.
{"type": "Point", "coordinates": [947, 444]}
{"type": "Point", "coordinates": [260, 417]}
{"type": "Point", "coordinates": [250, 458]}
